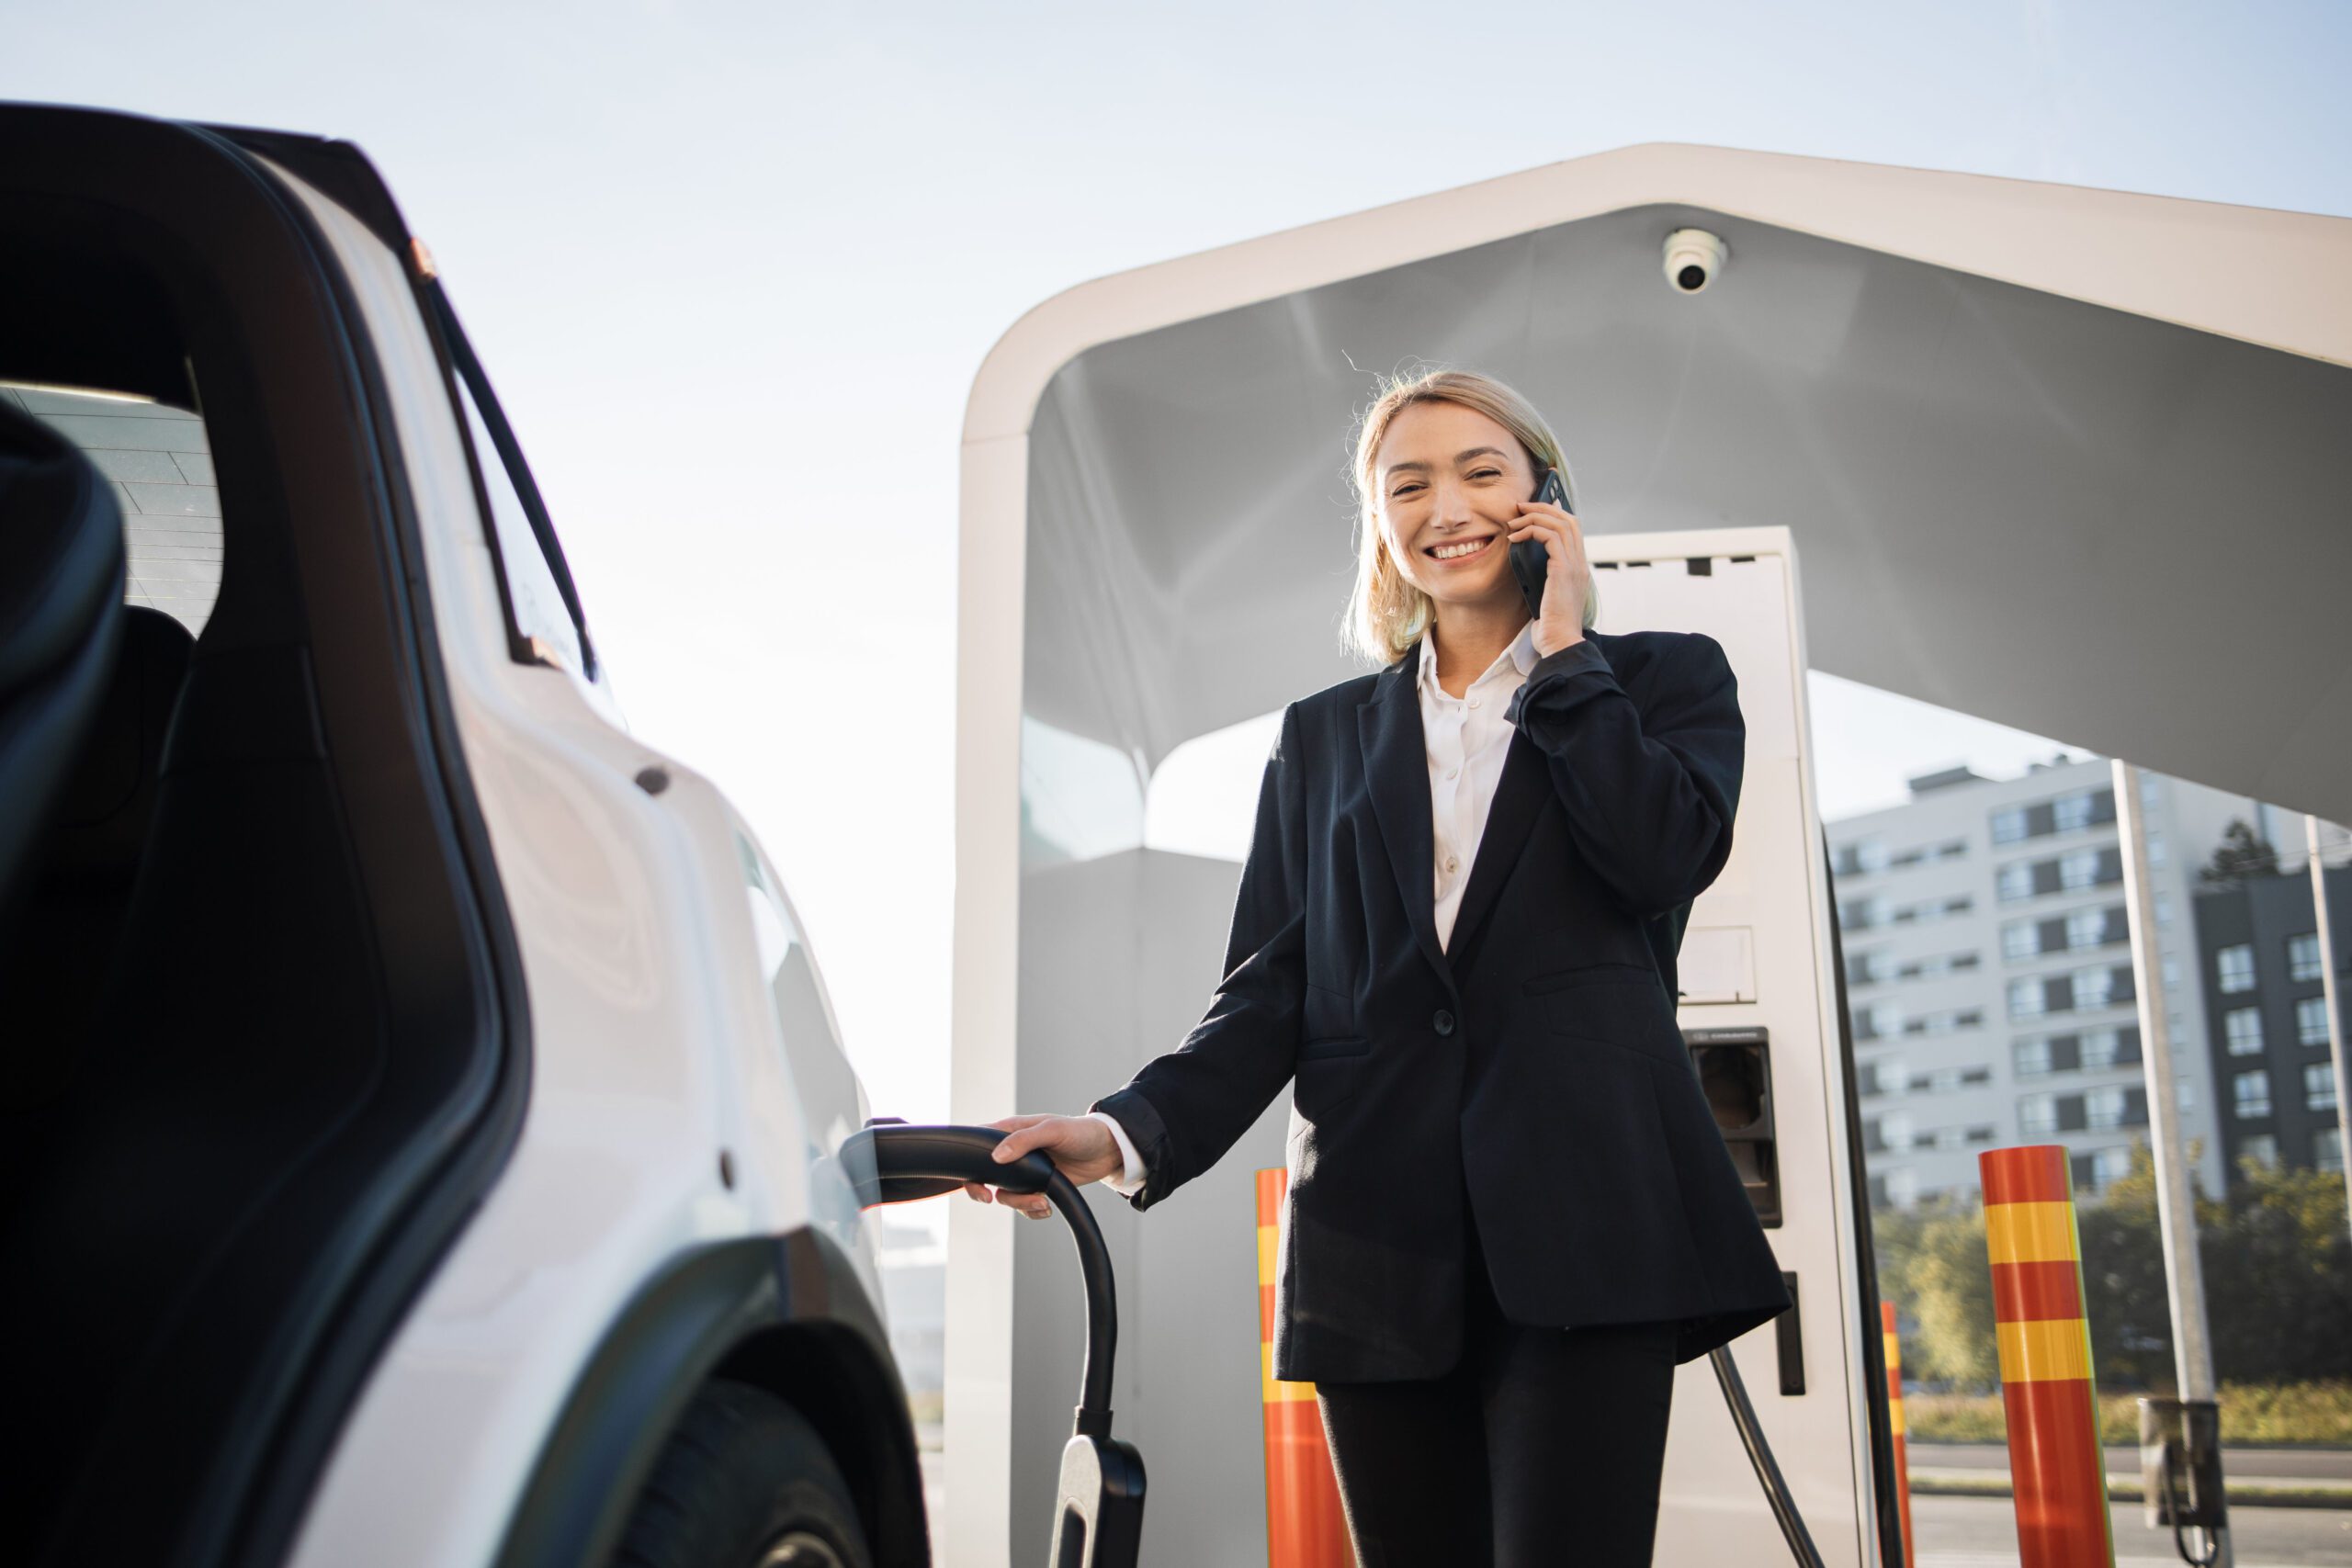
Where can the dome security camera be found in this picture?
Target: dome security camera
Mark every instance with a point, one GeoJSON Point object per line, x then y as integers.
{"type": "Point", "coordinates": [1694, 258]}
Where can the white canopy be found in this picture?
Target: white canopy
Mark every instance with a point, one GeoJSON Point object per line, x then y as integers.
{"type": "Point", "coordinates": [2078, 461]}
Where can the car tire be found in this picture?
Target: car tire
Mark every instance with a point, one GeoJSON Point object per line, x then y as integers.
{"type": "Point", "coordinates": [744, 1482]}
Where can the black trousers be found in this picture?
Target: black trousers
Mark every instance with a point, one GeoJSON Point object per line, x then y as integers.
{"type": "Point", "coordinates": [1541, 1446]}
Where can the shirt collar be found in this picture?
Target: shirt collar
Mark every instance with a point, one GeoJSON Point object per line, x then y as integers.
{"type": "Point", "coordinates": [1522, 653]}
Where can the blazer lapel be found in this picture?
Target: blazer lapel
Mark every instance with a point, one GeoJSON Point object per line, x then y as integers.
{"type": "Point", "coordinates": [1519, 794]}
{"type": "Point", "coordinates": [1397, 775]}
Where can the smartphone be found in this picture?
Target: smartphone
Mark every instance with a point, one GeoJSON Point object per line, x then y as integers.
{"type": "Point", "coordinates": [1529, 561]}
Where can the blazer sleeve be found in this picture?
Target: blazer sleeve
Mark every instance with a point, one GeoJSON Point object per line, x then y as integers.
{"type": "Point", "coordinates": [1185, 1108]}
{"type": "Point", "coordinates": [1650, 786]}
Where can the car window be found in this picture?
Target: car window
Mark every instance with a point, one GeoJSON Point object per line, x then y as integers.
{"type": "Point", "coordinates": [534, 605]}
{"type": "Point", "coordinates": [159, 465]}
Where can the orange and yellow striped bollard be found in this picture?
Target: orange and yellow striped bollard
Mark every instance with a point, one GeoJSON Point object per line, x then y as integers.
{"type": "Point", "coordinates": [1305, 1525]}
{"type": "Point", "coordinates": [1894, 1421]}
{"type": "Point", "coordinates": [2057, 1470]}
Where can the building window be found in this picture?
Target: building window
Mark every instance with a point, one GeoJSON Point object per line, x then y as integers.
{"type": "Point", "coordinates": [2251, 1093]}
{"type": "Point", "coordinates": [1901, 1187]}
{"type": "Point", "coordinates": [2319, 1086]}
{"type": "Point", "coordinates": [2078, 870]}
{"type": "Point", "coordinates": [2103, 1108]}
{"type": "Point", "coordinates": [2021, 939]}
{"type": "Point", "coordinates": [1859, 915]}
{"type": "Point", "coordinates": [2261, 1147]}
{"type": "Point", "coordinates": [2109, 1165]}
{"type": "Point", "coordinates": [2184, 1093]}
{"type": "Point", "coordinates": [2164, 910]}
{"type": "Point", "coordinates": [2087, 928]}
{"type": "Point", "coordinates": [2093, 988]}
{"type": "Point", "coordinates": [2008, 825]}
{"type": "Point", "coordinates": [2327, 1148]}
{"type": "Point", "coordinates": [2235, 967]}
{"type": "Point", "coordinates": [2072, 813]}
{"type": "Point", "coordinates": [2015, 881]}
{"type": "Point", "coordinates": [2037, 1113]}
{"type": "Point", "coordinates": [2302, 957]}
{"type": "Point", "coordinates": [2311, 1022]}
{"type": "Point", "coordinates": [2032, 1056]}
{"type": "Point", "coordinates": [2025, 998]}
{"type": "Point", "coordinates": [2156, 849]}
{"type": "Point", "coordinates": [2100, 1047]}
{"type": "Point", "coordinates": [2242, 1026]}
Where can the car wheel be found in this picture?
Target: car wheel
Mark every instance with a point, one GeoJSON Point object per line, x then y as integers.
{"type": "Point", "coordinates": [744, 1482]}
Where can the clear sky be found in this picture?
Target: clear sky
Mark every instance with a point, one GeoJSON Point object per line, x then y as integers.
{"type": "Point", "coordinates": [732, 267]}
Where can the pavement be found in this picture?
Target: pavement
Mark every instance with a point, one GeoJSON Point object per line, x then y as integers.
{"type": "Point", "coordinates": [2277, 1467]}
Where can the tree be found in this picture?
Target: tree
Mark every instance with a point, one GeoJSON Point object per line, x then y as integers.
{"type": "Point", "coordinates": [1949, 1287]}
{"type": "Point", "coordinates": [2123, 1271]}
{"type": "Point", "coordinates": [2278, 1277]}
{"type": "Point", "coordinates": [2239, 857]}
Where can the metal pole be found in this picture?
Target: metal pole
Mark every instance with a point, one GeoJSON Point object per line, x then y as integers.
{"type": "Point", "coordinates": [2329, 1000]}
{"type": "Point", "coordinates": [2183, 1279]}
{"type": "Point", "coordinates": [2192, 1348]}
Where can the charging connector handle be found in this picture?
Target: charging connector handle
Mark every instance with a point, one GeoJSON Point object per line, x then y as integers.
{"type": "Point", "coordinates": [897, 1162]}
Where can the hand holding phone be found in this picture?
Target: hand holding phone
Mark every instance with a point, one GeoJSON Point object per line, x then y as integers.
{"type": "Point", "coordinates": [1529, 561]}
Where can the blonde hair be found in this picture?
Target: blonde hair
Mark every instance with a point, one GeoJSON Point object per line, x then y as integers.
{"type": "Point", "coordinates": [1387, 614]}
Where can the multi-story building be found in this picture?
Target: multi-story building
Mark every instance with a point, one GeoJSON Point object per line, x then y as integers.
{"type": "Point", "coordinates": [1989, 972]}
{"type": "Point", "coordinates": [2257, 948]}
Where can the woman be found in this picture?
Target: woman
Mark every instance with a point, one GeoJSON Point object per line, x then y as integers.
{"type": "Point", "coordinates": [1510, 1213]}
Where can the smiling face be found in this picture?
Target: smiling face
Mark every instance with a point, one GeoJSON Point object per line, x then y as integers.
{"type": "Point", "coordinates": [1449, 479]}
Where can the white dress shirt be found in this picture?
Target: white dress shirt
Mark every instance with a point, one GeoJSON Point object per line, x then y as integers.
{"type": "Point", "coordinates": [1466, 737]}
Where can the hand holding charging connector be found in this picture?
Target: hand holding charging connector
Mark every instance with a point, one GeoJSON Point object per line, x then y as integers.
{"type": "Point", "coordinates": [1080, 1147]}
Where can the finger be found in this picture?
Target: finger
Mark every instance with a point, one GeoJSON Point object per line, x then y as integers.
{"type": "Point", "coordinates": [1033, 1134]}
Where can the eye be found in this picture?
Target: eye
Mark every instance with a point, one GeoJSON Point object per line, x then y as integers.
{"type": "Point", "coordinates": [1486, 473]}
{"type": "Point", "coordinates": [1403, 490]}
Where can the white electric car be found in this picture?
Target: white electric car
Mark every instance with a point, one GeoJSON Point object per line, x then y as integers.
{"type": "Point", "coordinates": [426, 1125]}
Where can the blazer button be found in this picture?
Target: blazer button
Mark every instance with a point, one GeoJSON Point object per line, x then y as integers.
{"type": "Point", "coordinates": [1443, 1023]}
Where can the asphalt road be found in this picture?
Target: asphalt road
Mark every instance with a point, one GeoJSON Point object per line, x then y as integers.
{"type": "Point", "coordinates": [1982, 1532]}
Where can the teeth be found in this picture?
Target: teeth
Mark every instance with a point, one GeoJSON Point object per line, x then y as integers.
{"type": "Point", "coordinates": [1447, 552]}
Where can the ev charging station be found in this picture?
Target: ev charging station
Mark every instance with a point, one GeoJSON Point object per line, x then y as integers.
{"type": "Point", "coordinates": [1999, 455]}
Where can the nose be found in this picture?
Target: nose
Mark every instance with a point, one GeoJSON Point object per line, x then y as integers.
{"type": "Point", "coordinates": [1450, 504]}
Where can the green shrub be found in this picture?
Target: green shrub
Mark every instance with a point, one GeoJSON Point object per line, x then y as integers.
{"type": "Point", "coordinates": [2318, 1413]}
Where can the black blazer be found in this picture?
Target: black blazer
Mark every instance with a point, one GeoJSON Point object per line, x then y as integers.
{"type": "Point", "coordinates": [1536, 1059]}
